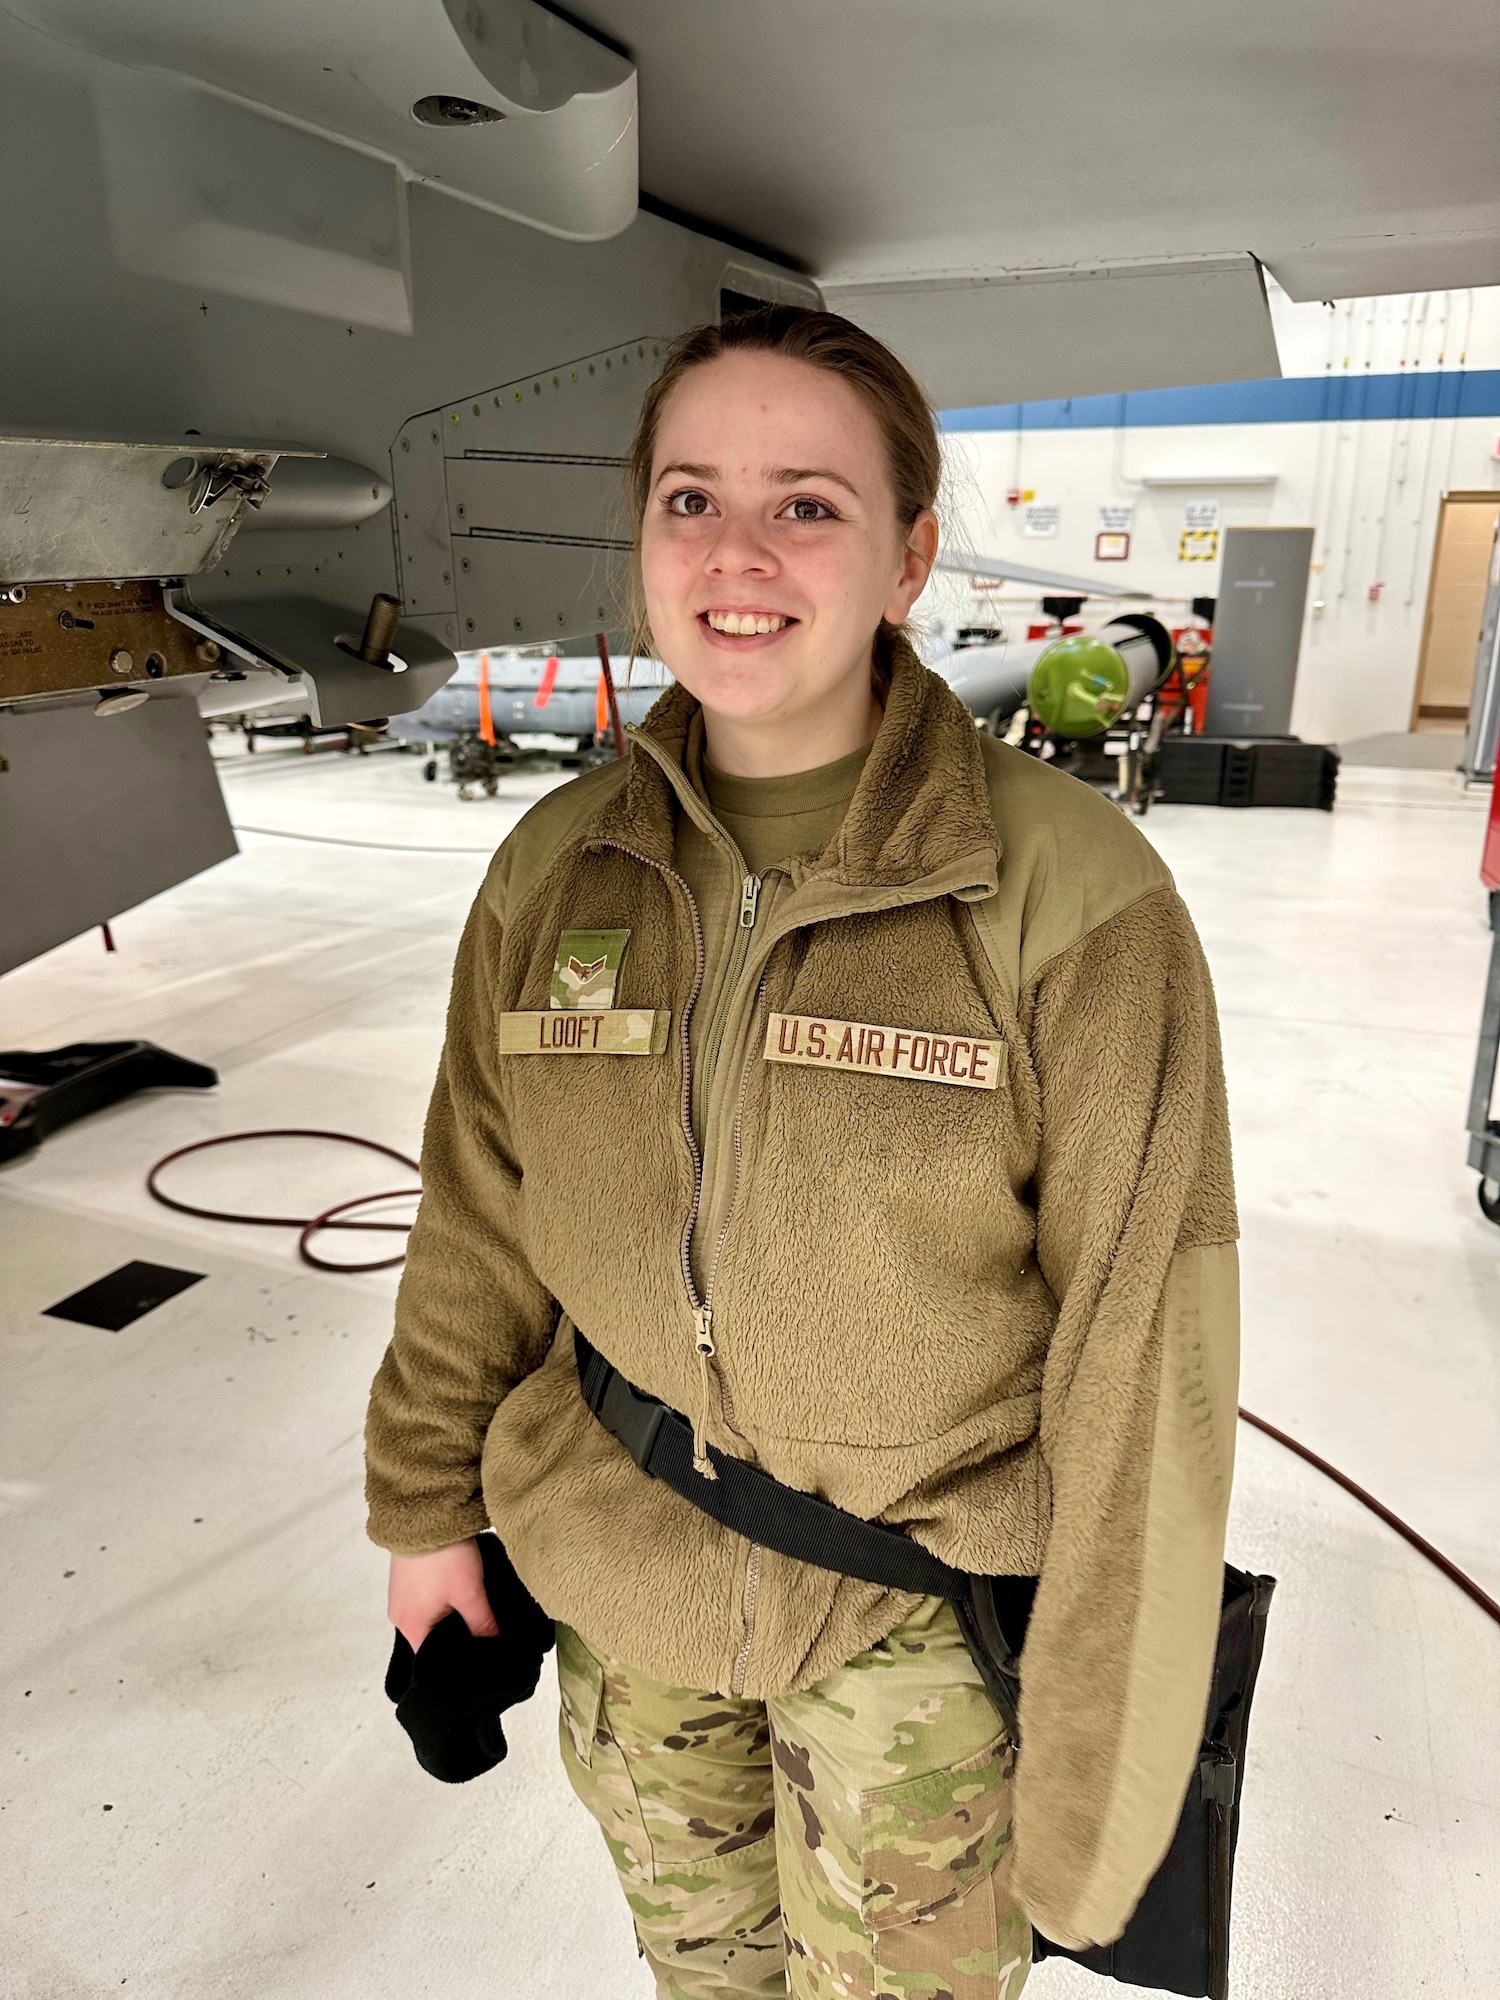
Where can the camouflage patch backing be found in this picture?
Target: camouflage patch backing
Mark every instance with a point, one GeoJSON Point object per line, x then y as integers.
{"type": "Point", "coordinates": [586, 968]}
{"type": "Point", "coordinates": [621, 1031]}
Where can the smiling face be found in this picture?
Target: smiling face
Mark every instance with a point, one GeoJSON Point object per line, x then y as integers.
{"type": "Point", "coordinates": [770, 552]}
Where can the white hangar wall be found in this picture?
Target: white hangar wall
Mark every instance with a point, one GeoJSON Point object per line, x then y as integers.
{"type": "Point", "coordinates": [1385, 406]}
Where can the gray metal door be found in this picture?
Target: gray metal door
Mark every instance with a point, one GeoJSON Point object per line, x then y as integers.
{"type": "Point", "coordinates": [1258, 631]}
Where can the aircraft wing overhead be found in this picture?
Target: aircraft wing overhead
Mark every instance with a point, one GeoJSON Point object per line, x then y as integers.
{"type": "Point", "coordinates": [1078, 198]}
{"type": "Point", "coordinates": [1002, 571]}
{"type": "Point", "coordinates": [1027, 202]}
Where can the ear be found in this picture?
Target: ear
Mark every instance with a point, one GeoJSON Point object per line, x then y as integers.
{"type": "Point", "coordinates": [917, 560]}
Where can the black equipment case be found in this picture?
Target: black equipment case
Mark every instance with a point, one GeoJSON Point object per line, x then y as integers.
{"type": "Point", "coordinates": [1234, 771]}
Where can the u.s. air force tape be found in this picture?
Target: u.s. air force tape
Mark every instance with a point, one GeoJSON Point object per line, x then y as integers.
{"type": "Point", "coordinates": [928, 1058]}
{"type": "Point", "coordinates": [567, 1031]}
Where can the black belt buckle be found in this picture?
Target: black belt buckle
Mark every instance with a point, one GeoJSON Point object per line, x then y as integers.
{"type": "Point", "coordinates": [629, 1415]}
{"type": "Point", "coordinates": [635, 1420]}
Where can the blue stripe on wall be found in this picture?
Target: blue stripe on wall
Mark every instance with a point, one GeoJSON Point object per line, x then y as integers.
{"type": "Point", "coordinates": [1299, 399]}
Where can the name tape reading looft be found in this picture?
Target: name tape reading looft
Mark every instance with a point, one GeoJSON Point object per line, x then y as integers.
{"type": "Point", "coordinates": [618, 1031]}
{"type": "Point", "coordinates": [905, 1052]}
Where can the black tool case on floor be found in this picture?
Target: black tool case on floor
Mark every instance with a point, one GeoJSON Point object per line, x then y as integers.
{"type": "Point", "coordinates": [1239, 771]}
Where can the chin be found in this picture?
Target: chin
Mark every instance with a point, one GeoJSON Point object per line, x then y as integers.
{"type": "Point", "coordinates": [739, 696]}
{"type": "Point", "coordinates": [744, 688]}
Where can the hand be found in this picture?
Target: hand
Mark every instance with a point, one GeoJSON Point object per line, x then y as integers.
{"type": "Point", "coordinates": [424, 1589]}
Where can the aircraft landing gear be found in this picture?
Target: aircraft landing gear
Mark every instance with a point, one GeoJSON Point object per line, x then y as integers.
{"type": "Point", "coordinates": [472, 761]}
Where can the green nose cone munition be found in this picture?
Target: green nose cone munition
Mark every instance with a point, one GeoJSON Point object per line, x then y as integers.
{"type": "Point", "coordinates": [1079, 685]}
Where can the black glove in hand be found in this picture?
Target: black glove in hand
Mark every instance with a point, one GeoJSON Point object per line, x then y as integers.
{"type": "Point", "coordinates": [450, 1692]}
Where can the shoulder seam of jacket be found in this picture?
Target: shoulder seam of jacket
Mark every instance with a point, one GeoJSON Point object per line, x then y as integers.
{"type": "Point", "coordinates": [516, 894]}
{"type": "Point", "coordinates": [1157, 889]}
{"type": "Point", "coordinates": [1202, 1243]}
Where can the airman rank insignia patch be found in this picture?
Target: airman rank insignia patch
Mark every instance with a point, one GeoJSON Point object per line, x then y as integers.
{"type": "Point", "coordinates": [586, 968]}
{"type": "Point", "coordinates": [925, 1057]}
{"type": "Point", "coordinates": [571, 1031]}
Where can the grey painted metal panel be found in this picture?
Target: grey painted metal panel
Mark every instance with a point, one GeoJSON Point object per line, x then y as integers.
{"type": "Point", "coordinates": [1258, 631]}
{"type": "Point", "coordinates": [98, 812]}
{"type": "Point", "coordinates": [1035, 334]}
{"type": "Point", "coordinates": [76, 509]}
{"type": "Point", "coordinates": [1377, 263]}
{"type": "Point", "coordinates": [321, 640]}
{"type": "Point", "coordinates": [104, 348]}
{"type": "Point", "coordinates": [1352, 149]}
{"type": "Point", "coordinates": [510, 507]}
{"type": "Point", "coordinates": [160, 334]}
{"type": "Point", "coordinates": [557, 150]}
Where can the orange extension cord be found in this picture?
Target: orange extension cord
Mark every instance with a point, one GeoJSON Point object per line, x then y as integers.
{"type": "Point", "coordinates": [309, 1226]}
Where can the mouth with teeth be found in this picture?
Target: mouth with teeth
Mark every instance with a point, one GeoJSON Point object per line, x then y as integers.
{"type": "Point", "coordinates": [745, 624]}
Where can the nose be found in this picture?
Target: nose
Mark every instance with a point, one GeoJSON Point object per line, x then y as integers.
{"type": "Point", "coordinates": [741, 548]}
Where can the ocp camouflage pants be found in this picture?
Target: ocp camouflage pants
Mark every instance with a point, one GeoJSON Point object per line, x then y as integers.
{"type": "Point", "coordinates": [849, 1841]}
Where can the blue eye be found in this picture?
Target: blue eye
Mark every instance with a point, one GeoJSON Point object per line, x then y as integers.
{"type": "Point", "coordinates": [689, 503]}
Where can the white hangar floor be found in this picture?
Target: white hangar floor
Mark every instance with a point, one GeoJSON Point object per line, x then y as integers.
{"type": "Point", "coordinates": [205, 1797]}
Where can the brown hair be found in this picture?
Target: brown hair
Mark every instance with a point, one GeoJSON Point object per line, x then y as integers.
{"type": "Point", "coordinates": [822, 340]}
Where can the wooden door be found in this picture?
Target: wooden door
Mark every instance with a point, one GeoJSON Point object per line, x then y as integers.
{"type": "Point", "coordinates": [1455, 607]}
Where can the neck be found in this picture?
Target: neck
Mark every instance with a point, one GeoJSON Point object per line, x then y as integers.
{"type": "Point", "coordinates": [778, 746]}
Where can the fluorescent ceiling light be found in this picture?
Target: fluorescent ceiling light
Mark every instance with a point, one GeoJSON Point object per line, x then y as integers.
{"type": "Point", "coordinates": [1207, 477]}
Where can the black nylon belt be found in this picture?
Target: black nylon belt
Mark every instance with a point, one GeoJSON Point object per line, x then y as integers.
{"type": "Point", "coordinates": [750, 1501]}
{"type": "Point", "coordinates": [1178, 1939]}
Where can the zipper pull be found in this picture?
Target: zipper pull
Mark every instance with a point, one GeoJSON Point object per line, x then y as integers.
{"type": "Point", "coordinates": [749, 898]}
{"type": "Point", "coordinates": [703, 1319]}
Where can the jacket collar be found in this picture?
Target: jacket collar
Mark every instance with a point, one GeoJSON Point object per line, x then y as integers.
{"type": "Point", "coordinates": [919, 819]}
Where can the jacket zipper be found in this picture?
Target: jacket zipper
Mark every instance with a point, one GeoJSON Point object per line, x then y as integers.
{"type": "Point", "coordinates": [702, 1308]}
{"type": "Point", "coordinates": [747, 1608]}
{"type": "Point", "coordinates": [737, 1146]}
{"type": "Point", "coordinates": [749, 906]}
{"type": "Point", "coordinates": [703, 1319]}
{"type": "Point", "coordinates": [752, 1570]}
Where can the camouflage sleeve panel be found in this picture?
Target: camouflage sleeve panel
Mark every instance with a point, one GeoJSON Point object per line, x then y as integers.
{"type": "Point", "coordinates": [1135, 1231]}
{"type": "Point", "coordinates": [471, 1317]}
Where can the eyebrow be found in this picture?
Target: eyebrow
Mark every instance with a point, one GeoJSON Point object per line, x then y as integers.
{"type": "Point", "coordinates": [784, 475]}
{"type": "Point", "coordinates": [793, 475]}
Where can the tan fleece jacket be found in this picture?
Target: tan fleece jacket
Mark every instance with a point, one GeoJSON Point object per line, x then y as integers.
{"type": "Point", "coordinates": [1002, 1318]}
{"type": "Point", "coordinates": [754, 825]}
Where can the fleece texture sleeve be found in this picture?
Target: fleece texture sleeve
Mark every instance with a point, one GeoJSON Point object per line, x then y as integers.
{"type": "Point", "coordinates": [471, 1317]}
{"type": "Point", "coordinates": [1136, 1228]}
